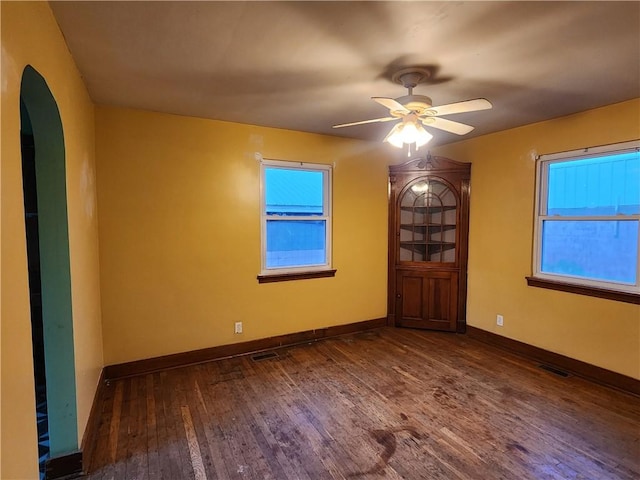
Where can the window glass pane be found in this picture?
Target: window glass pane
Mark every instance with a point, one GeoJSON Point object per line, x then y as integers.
{"type": "Point", "coordinates": [607, 185]}
{"type": "Point", "coordinates": [293, 191]}
{"type": "Point", "coordinates": [599, 250]}
{"type": "Point", "coordinates": [295, 243]}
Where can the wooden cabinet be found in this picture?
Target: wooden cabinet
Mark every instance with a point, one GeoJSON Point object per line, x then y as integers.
{"type": "Point", "coordinates": [428, 232]}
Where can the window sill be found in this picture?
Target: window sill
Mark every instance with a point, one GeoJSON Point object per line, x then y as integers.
{"type": "Point", "coordinates": [285, 277]}
{"type": "Point", "coordinates": [626, 297]}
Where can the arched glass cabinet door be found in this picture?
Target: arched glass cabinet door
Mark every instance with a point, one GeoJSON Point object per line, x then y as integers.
{"type": "Point", "coordinates": [428, 222]}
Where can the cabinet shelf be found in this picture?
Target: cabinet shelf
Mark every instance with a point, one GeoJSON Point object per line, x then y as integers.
{"type": "Point", "coordinates": [430, 226]}
{"type": "Point", "coordinates": [426, 242]}
{"type": "Point", "coordinates": [425, 209]}
{"type": "Point", "coordinates": [426, 247]}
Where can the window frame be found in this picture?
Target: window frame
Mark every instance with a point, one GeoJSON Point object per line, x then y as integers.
{"type": "Point", "coordinates": [276, 274]}
{"type": "Point", "coordinates": [605, 289]}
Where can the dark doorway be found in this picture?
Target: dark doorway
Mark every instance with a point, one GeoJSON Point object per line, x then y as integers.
{"type": "Point", "coordinates": [30, 193]}
{"type": "Point", "coordinates": [47, 242]}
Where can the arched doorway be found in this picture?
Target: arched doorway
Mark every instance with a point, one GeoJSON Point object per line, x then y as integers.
{"type": "Point", "coordinates": [47, 236]}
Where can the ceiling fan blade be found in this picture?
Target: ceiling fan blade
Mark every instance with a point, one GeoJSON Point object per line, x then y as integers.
{"type": "Point", "coordinates": [363, 122]}
{"type": "Point", "coordinates": [447, 125]}
{"type": "Point", "coordinates": [391, 104]}
{"type": "Point", "coordinates": [461, 107]}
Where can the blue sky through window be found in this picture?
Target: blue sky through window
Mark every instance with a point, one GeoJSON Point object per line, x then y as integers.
{"type": "Point", "coordinates": [291, 240]}
{"type": "Point", "coordinates": [603, 245]}
{"type": "Point", "coordinates": [597, 186]}
{"type": "Point", "coordinates": [598, 250]}
{"type": "Point", "coordinates": [293, 192]}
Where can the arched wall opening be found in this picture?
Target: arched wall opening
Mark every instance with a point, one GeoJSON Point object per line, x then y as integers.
{"type": "Point", "coordinates": [43, 155]}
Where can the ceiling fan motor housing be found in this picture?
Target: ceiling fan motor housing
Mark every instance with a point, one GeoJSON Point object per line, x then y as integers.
{"type": "Point", "coordinates": [416, 103]}
{"type": "Point", "coordinates": [409, 78]}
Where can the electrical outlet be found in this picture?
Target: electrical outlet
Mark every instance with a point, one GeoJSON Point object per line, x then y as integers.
{"type": "Point", "coordinates": [238, 327]}
{"type": "Point", "coordinates": [499, 320]}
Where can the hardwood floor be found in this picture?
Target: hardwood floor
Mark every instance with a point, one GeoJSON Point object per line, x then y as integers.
{"type": "Point", "coordinates": [389, 403]}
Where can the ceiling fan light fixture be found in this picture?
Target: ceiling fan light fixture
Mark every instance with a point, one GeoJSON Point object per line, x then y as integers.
{"type": "Point", "coordinates": [408, 132]}
{"type": "Point", "coordinates": [393, 137]}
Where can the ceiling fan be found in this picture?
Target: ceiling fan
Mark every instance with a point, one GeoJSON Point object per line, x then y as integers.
{"type": "Point", "coordinates": [417, 110]}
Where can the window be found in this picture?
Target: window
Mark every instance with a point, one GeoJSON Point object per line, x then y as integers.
{"type": "Point", "coordinates": [296, 220]}
{"type": "Point", "coordinates": [588, 219]}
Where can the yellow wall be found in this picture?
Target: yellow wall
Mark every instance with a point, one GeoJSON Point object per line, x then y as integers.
{"type": "Point", "coordinates": [30, 35]}
{"type": "Point", "coordinates": [597, 331]}
{"type": "Point", "coordinates": [180, 234]}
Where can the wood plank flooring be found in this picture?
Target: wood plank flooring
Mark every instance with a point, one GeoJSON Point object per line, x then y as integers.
{"type": "Point", "coordinates": [389, 403]}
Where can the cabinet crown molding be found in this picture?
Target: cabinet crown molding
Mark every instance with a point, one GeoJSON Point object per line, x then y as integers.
{"type": "Point", "coordinates": [428, 163]}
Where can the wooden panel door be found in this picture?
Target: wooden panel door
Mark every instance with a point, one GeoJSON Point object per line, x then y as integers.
{"type": "Point", "coordinates": [427, 299]}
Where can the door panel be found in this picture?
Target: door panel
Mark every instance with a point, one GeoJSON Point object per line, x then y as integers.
{"type": "Point", "coordinates": [427, 299]}
{"type": "Point", "coordinates": [412, 294]}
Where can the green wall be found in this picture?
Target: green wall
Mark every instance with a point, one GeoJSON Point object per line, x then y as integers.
{"type": "Point", "coordinates": [54, 261]}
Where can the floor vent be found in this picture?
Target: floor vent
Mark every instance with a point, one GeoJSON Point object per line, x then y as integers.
{"type": "Point", "coordinates": [263, 356]}
{"type": "Point", "coordinates": [555, 371]}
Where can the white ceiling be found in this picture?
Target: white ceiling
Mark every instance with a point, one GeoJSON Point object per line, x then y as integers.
{"type": "Point", "coordinates": [308, 65]}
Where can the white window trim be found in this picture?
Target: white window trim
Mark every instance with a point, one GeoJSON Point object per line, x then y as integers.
{"type": "Point", "coordinates": [542, 161]}
{"type": "Point", "coordinates": [326, 216]}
